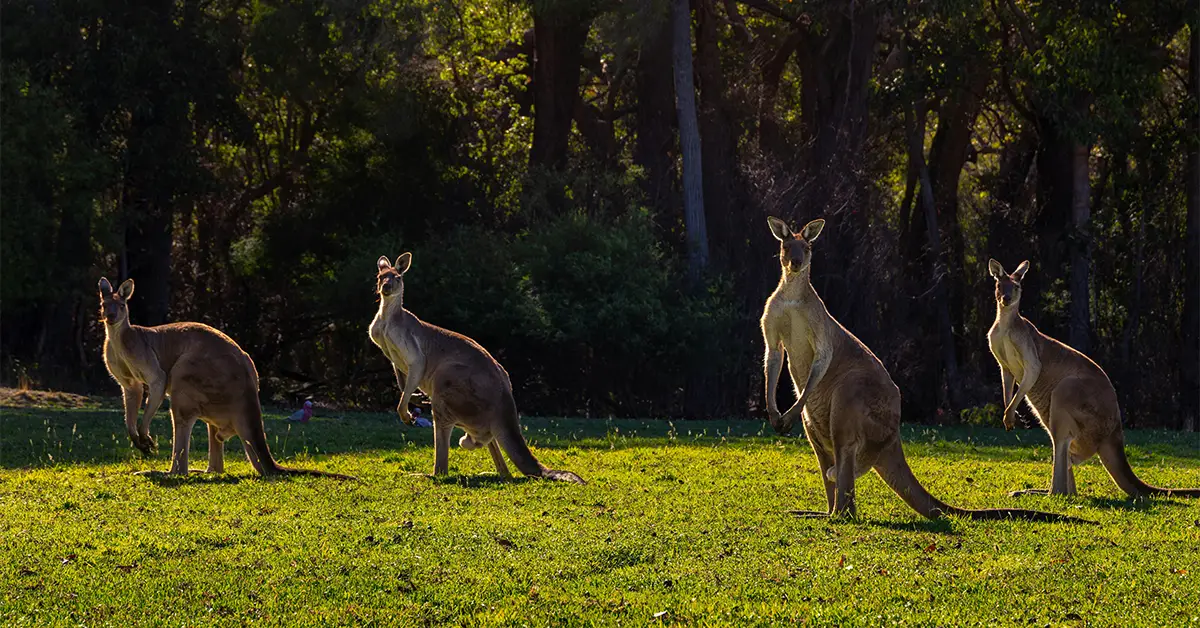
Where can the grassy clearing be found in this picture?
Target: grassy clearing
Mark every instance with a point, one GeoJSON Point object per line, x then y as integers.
{"type": "Point", "coordinates": [679, 522]}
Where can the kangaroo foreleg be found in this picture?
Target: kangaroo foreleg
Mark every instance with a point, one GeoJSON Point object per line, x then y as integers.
{"type": "Point", "coordinates": [815, 373]}
{"type": "Point", "coordinates": [1032, 370]}
{"type": "Point", "coordinates": [1006, 385]}
{"type": "Point", "coordinates": [416, 370]}
{"type": "Point", "coordinates": [773, 365]}
{"type": "Point", "coordinates": [158, 390]}
{"type": "Point", "coordinates": [132, 396]}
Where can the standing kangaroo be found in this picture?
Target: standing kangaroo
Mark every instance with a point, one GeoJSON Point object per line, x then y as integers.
{"type": "Point", "coordinates": [205, 374]}
{"type": "Point", "coordinates": [467, 386]}
{"type": "Point", "coordinates": [850, 406]}
{"type": "Point", "coordinates": [1069, 394]}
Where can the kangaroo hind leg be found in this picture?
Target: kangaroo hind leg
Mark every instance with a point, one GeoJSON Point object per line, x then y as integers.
{"type": "Point", "coordinates": [216, 450]}
{"type": "Point", "coordinates": [498, 458]}
{"type": "Point", "coordinates": [1062, 427]}
{"type": "Point", "coordinates": [441, 446]}
{"type": "Point", "coordinates": [183, 418]}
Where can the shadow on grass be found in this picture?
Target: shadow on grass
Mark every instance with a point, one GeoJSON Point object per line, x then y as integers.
{"type": "Point", "coordinates": [1145, 504]}
{"type": "Point", "coordinates": [164, 479]}
{"type": "Point", "coordinates": [931, 526]}
{"type": "Point", "coordinates": [485, 480]}
{"type": "Point", "coordinates": [34, 437]}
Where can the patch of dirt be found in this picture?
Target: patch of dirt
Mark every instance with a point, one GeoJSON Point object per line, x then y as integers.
{"type": "Point", "coordinates": [14, 398]}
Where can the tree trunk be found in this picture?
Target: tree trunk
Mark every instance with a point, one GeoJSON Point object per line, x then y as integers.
{"type": "Point", "coordinates": [948, 154]}
{"type": "Point", "coordinates": [149, 194]}
{"type": "Point", "coordinates": [689, 141]}
{"type": "Point", "coordinates": [148, 254]}
{"type": "Point", "coordinates": [1080, 321]}
{"type": "Point", "coordinates": [1051, 224]}
{"type": "Point", "coordinates": [719, 141]}
{"type": "Point", "coordinates": [771, 139]}
{"type": "Point", "coordinates": [1189, 371]}
{"type": "Point", "coordinates": [1007, 239]}
{"type": "Point", "coordinates": [836, 57]}
{"type": "Point", "coordinates": [655, 122]}
{"type": "Point", "coordinates": [938, 274]}
{"type": "Point", "coordinates": [559, 36]}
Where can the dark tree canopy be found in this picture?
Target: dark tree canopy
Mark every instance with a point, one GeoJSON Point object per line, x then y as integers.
{"type": "Point", "coordinates": [246, 163]}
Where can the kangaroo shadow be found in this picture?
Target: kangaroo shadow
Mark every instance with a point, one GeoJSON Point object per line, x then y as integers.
{"type": "Point", "coordinates": [1134, 504]}
{"type": "Point", "coordinates": [943, 526]}
{"type": "Point", "coordinates": [165, 480]}
{"type": "Point", "coordinates": [483, 480]}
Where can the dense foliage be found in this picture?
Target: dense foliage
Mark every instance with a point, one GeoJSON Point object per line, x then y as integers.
{"type": "Point", "coordinates": [246, 162]}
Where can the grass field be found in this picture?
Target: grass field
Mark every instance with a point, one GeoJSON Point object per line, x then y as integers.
{"type": "Point", "coordinates": [680, 523]}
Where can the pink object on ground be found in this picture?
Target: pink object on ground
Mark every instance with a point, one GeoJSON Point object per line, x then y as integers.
{"type": "Point", "coordinates": [302, 415]}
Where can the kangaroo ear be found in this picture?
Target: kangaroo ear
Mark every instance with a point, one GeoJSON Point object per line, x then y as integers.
{"type": "Point", "coordinates": [812, 230]}
{"type": "Point", "coordinates": [403, 262]}
{"type": "Point", "coordinates": [126, 289]}
{"type": "Point", "coordinates": [995, 269]}
{"type": "Point", "coordinates": [383, 262]}
{"type": "Point", "coordinates": [1022, 268]}
{"type": "Point", "coordinates": [779, 228]}
{"type": "Point", "coordinates": [105, 287]}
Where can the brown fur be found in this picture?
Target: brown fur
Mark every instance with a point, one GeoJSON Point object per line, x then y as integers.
{"type": "Point", "coordinates": [204, 373]}
{"type": "Point", "coordinates": [1069, 393]}
{"type": "Point", "coordinates": [849, 404]}
{"type": "Point", "coordinates": [468, 387]}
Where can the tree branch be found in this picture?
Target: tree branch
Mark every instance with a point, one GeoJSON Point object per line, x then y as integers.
{"type": "Point", "coordinates": [774, 11]}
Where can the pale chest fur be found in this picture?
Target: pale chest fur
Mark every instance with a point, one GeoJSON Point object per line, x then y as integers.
{"type": "Point", "coordinates": [119, 364]}
{"type": "Point", "coordinates": [788, 324]}
{"type": "Point", "coordinates": [398, 346]}
{"type": "Point", "coordinates": [1008, 352]}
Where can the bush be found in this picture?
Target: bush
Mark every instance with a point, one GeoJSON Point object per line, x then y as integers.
{"type": "Point", "coordinates": [585, 314]}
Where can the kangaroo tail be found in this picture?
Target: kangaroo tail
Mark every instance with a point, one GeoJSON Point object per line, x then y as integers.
{"type": "Point", "coordinates": [513, 443]}
{"type": "Point", "coordinates": [255, 438]}
{"type": "Point", "coordinates": [894, 471]}
{"type": "Point", "coordinates": [1112, 456]}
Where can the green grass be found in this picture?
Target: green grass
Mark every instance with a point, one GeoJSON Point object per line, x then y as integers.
{"type": "Point", "coordinates": [682, 519]}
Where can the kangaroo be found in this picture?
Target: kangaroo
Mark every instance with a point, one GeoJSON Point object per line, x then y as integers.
{"type": "Point", "coordinates": [1069, 393]}
{"type": "Point", "coordinates": [204, 373]}
{"type": "Point", "coordinates": [467, 386]}
{"type": "Point", "coordinates": [850, 406]}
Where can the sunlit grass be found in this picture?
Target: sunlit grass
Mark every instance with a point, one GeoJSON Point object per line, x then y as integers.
{"type": "Point", "coordinates": [681, 521]}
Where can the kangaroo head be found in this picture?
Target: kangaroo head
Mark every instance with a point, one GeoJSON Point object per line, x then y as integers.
{"type": "Point", "coordinates": [795, 249]}
{"type": "Point", "coordinates": [1008, 287]}
{"type": "Point", "coordinates": [390, 281]}
{"type": "Point", "coordinates": [114, 306]}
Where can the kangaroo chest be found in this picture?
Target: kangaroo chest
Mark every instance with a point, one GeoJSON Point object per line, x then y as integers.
{"type": "Point", "coordinates": [397, 345]}
{"type": "Point", "coordinates": [120, 367]}
{"type": "Point", "coordinates": [796, 334]}
{"type": "Point", "coordinates": [1009, 355]}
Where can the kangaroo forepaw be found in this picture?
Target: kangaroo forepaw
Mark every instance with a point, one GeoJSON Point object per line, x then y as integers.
{"type": "Point", "coordinates": [145, 444]}
{"type": "Point", "coordinates": [404, 413]}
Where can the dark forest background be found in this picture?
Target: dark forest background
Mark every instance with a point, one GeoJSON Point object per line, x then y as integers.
{"type": "Point", "coordinates": [585, 183]}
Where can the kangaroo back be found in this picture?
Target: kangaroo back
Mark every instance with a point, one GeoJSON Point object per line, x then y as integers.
{"type": "Point", "coordinates": [895, 472]}
{"type": "Point", "coordinates": [513, 443]}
